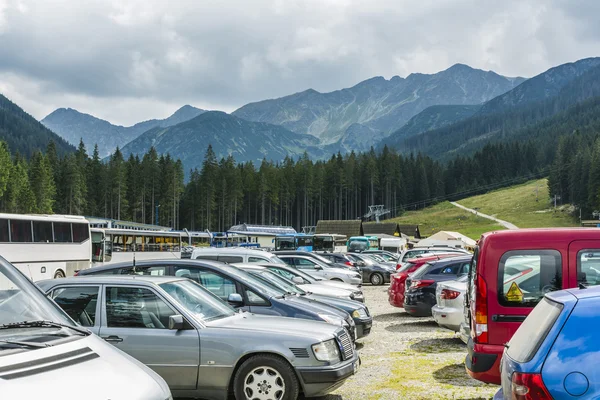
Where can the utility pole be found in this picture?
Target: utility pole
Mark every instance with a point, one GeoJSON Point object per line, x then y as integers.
{"type": "Point", "coordinates": [556, 197]}
{"type": "Point", "coordinates": [157, 207]}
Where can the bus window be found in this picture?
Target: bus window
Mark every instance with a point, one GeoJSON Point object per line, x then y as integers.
{"type": "Point", "coordinates": [62, 232]}
{"type": "Point", "coordinates": [4, 230]}
{"type": "Point", "coordinates": [42, 232]}
{"type": "Point", "coordinates": [81, 232]}
{"type": "Point", "coordinates": [20, 231]}
{"type": "Point", "coordinates": [118, 244]}
{"type": "Point", "coordinates": [97, 251]}
{"type": "Point", "coordinates": [128, 241]}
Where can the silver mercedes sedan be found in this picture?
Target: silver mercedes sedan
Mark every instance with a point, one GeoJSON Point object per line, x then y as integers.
{"type": "Point", "coordinates": [203, 347]}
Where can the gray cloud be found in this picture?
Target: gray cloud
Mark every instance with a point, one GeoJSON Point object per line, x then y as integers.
{"type": "Point", "coordinates": [135, 60]}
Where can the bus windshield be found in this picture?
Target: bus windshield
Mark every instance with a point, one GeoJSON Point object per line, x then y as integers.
{"type": "Point", "coordinates": [358, 245]}
{"type": "Point", "coordinates": [285, 243]}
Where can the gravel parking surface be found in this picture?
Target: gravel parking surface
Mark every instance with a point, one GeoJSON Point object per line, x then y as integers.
{"type": "Point", "coordinates": [409, 358]}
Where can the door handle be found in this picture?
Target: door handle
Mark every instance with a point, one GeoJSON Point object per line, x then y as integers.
{"type": "Point", "coordinates": [113, 339]}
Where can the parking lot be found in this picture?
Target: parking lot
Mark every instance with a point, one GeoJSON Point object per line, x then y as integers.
{"type": "Point", "coordinates": [409, 358]}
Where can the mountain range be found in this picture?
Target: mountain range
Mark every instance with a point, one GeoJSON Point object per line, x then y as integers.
{"type": "Point", "coordinates": [379, 104]}
{"type": "Point", "coordinates": [455, 111]}
{"type": "Point", "coordinates": [74, 126]}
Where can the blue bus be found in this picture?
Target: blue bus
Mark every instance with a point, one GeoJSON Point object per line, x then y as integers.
{"type": "Point", "coordinates": [298, 241]}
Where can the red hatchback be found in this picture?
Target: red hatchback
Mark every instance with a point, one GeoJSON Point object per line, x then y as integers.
{"type": "Point", "coordinates": [398, 280]}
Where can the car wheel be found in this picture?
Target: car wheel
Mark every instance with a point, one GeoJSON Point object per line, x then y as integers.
{"type": "Point", "coordinates": [59, 274]}
{"type": "Point", "coordinates": [265, 377]}
{"type": "Point", "coordinates": [376, 279]}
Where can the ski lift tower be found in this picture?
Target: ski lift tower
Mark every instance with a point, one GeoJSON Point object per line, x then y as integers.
{"type": "Point", "coordinates": [376, 211]}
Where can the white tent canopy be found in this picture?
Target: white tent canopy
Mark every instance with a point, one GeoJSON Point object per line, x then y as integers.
{"type": "Point", "coordinates": [448, 238]}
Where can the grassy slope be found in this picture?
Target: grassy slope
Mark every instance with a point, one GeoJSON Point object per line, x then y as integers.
{"type": "Point", "coordinates": [515, 204]}
{"type": "Point", "coordinates": [518, 205]}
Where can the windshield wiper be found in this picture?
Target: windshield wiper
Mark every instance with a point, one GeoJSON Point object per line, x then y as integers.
{"type": "Point", "coordinates": [26, 344]}
{"type": "Point", "coordinates": [43, 324]}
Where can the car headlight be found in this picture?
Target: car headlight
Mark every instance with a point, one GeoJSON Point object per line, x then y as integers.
{"type": "Point", "coordinates": [357, 276]}
{"type": "Point", "coordinates": [332, 319]}
{"type": "Point", "coordinates": [359, 313]}
{"type": "Point", "coordinates": [326, 351]}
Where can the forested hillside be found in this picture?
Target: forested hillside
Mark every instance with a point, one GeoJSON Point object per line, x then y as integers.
{"type": "Point", "coordinates": [23, 134]}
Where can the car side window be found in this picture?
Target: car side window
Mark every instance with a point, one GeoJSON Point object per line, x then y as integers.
{"type": "Point", "coordinates": [525, 276]}
{"type": "Point", "coordinates": [231, 259]}
{"type": "Point", "coordinates": [588, 267]}
{"type": "Point", "coordinates": [145, 270]}
{"type": "Point", "coordinates": [451, 269]}
{"type": "Point", "coordinates": [206, 257]}
{"type": "Point", "coordinates": [78, 302]}
{"type": "Point", "coordinates": [129, 307]}
{"type": "Point", "coordinates": [216, 283]}
{"type": "Point", "coordinates": [257, 260]}
{"type": "Point", "coordinates": [288, 260]}
{"type": "Point", "coordinates": [255, 299]}
{"type": "Point", "coordinates": [303, 263]}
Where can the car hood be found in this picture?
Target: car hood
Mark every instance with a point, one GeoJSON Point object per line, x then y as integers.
{"type": "Point", "coordinates": [103, 372]}
{"type": "Point", "coordinates": [330, 291]}
{"type": "Point", "coordinates": [346, 305]}
{"type": "Point", "coordinates": [337, 284]}
{"type": "Point", "coordinates": [313, 306]}
{"type": "Point", "coordinates": [269, 324]}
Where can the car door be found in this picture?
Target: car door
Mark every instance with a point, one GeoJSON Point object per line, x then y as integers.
{"type": "Point", "coordinates": [217, 283]}
{"type": "Point", "coordinates": [311, 267]}
{"type": "Point", "coordinates": [80, 303]}
{"type": "Point", "coordinates": [135, 320]}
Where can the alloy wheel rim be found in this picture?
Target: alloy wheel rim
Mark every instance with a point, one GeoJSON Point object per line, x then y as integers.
{"type": "Point", "coordinates": [264, 383]}
{"type": "Point", "coordinates": [376, 280]}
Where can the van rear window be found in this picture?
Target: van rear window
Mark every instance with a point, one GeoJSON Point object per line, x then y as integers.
{"type": "Point", "coordinates": [588, 267]}
{"type": "Point", "coordinates": [525, 276]}
{"type": "Point", "coordinates": [530, 335]}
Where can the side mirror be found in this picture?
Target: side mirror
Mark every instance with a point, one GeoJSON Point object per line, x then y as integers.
{"type": "Point", "coordinates": [176, 322]}
{"type": "Point", "coordinates": [297, 280]}
{"type": "Point", "coordinates": [235, 299]}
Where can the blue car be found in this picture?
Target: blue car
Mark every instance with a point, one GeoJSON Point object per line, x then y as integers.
{"type": "Point", "coordinates": [554, 353]}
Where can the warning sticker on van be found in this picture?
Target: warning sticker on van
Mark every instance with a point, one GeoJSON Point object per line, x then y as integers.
{"type": "Point", "coordinates": [514, 294]}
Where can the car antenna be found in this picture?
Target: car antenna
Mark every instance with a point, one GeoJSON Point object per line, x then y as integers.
{"type": "Point", "coordinates": [134, 262]}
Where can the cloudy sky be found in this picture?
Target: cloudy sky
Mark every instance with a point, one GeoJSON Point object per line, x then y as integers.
{"type": "Point", "coordinates": [132, 60]}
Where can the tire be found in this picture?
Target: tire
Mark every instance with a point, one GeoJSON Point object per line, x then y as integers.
{"type": "Point", "coordinates": [376, 279]}
{"type": "Point", "coordinates": [278, 374]}
{"type": "Point", "coordinates": [59, 274]}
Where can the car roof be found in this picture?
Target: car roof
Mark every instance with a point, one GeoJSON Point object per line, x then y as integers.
{"type": "Point", "coordinates": [433, 257]}
{"type": "Point", "coordinates": [293, 252]}
{"type": "Point", "coordinates": [587, 293]}
{"type": "Point", "coordinates": [249, 266]}
{"type": "Point", "coordinates": [451, 260]}
{"type": "Point", "coordinates": [239, 250]}
{"type": "Point", "coordinates": [146, 263]}
{"type": "Point", "coordinates": [542, 234]}
{"type": "Point", "coordinates": [110, 279]}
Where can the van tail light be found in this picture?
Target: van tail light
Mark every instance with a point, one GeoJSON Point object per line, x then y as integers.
{"type": "Point", "coordinates": [448, 294]}
{"type": "Point", "coordinates": [481, 327]}
{"type": "Point", "coordinates": [422, 283]}
{"type": "Point", "coordinates": [528, 387]}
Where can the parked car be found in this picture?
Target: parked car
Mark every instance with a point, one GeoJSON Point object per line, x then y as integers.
{"type": "Point", "coordinates": [235, 286]}
{"type": "Point", "coordinates": [388, 256]}
{"type": "Point", "coordinates": [415, 251]}
{"type": "Point", "coordinates": [419, 297]}
{"type": "Point", "coordinates": [186, 251]}
{"type": "Point", "coordinates": [322, 257]}
{"type": "Point", "coordinates": [46, 355]}
{"type": "Point", "coordinates": [449, 310]}
{"type": "Point", "coordinates": [232, 255]}
{"type": "Point", "coordinates": [200, 345]}
{"type": "Point", "coordinates": [512, 271]}
{"type": "Point", "coordinates": [317, 285]}
{"type": "Point", "coordinates": [397, 286]}
{"type": "Point", "coordinates": [338, 258]}
{"type": "Point", "coordinates": [319, 269]}
{"type": "Point", "coordinates": [374, 272]}
{"type": "Point", "coordinates": [553, 354]}
{"type": "Point", "coordinates": [358, 311]}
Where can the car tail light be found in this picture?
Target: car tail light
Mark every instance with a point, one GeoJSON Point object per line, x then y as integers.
{"type": "Point", "coordinates": [349, 263]}
{"type": "Point", "coordinates": [76, 273]}
{"type": "Point", "coordinates": [422, 283]}
{"type": "Point", "coordinates": [481, 328]}
{"type": "Point", "coordinates": [448, 294]}
{"type": "Point", "coordinates": [528, 387]}
{"type": "Point", "coordinates": [398, 266]}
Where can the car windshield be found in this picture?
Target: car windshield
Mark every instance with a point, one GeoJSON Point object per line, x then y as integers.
{"type": "Point", "coordinates": [21, 301]}
{"type": "Point", "coordinates": [322, 259]}
{"type": "Point", "coordinates": [421, 271]}
{"type": "Point", "coordinates": [253, 282]}
{"type": "Point", "coordinates": [358, 245]}
{"type": "Point", "coordinates": [279, 282]}
{"type": "Point", "coordinates": [367, 260]}
{"type": "Point", "coordinates": [376, 257]}
{"type": "Point", "coordinates": [294, 272]}
{"type": "Point", "coordinates": [197, 300]}
{"type": "Point", "coordinates": [387, 257]}
{"type": "Point", "coordinates": [406, 266]}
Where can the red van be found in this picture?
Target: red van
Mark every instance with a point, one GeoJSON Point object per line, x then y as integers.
{"type": "Point", "coordinates": [510, 273]}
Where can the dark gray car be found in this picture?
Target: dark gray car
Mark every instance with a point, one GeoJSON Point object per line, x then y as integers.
{"type": "Point", "coordinates": [200, 345]}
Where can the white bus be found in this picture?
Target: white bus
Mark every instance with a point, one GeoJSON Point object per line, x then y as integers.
{"type": "Point", "coordinates": [119, 245]}
{"type": "Point", "coordinates": [45, 246]}
{"type": "Point", "coordinates": [330, 242]}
